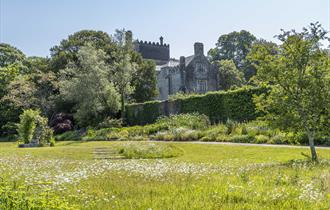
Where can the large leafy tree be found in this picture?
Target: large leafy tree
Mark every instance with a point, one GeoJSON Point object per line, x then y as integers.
{"type": "Point", "coordinates": [145, 82]}
{"type": "Point", "coordinates": [229, 75]}
{"type": "Point", "coordinates": [89, 86]}
{"type": "Point", "coordinates": [234, 46]}
{"type": "Point", "coordinates": [12, 64]}
{"type": "Point", "coordinates": [10, 55]}
{"type": "Point", "coordinates": [36, 90]}
{"type": "Point", "coordinates": [299, 77]}
{"type": "Point", "coordinates": [41, 64]}
{"type": "Point", "coordinates": [124, 67]}
{"type": "Point", "coordinates": [67, 51]}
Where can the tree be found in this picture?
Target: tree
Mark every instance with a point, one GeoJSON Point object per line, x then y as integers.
{"type": "Point", "coordinates": [145, 82]}
{"type": "Point", "coordinates": [234, 46]}
{"type": "Point", "coordinates": [299, 77]}
{"type": "Point", "coordinates": [229, 75]}
{"type": "Point", "coordinates": [67, 51]}
{"type": "Point", "coordinates": [124, 68]}
{"type": "Point", "coordinates": [12, 65]}
{"type": "Point", "coordinates": [89, 86]}
{"type": "Point", "coordinates": [41, 64]}
{"type": "Point", "coordinates": [36, 90]}
{"type": "Point", "coordinates": [10, 55]}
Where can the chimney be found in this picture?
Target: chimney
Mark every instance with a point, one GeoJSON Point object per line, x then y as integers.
{"type": "Point", "coordinates": [182, 61]}
{"type": "Point", "coordinates": [199, 48]}
{"type": "Point", "coordinates": [161, 39]}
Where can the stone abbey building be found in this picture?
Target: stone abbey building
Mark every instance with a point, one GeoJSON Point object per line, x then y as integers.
{"type": "Point", "coordinates": [192, 74]}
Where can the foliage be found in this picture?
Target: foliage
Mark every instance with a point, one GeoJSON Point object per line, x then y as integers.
{"type": "Point", "coordinates": [300, 79]}
{"type": "Point", "coordinates": [145, 82]}
{"type": "Point", "coordinates": [235, 46]}
{"type": "Point", "coordinates": [147, 150]}
{"type": "Point", "coordinates": [35, 90]}
{"type": "Point", "coordinates": [110, 123]}
{"type": "Point", "coordinates": [39, 64]}
{"type": "Point", "coordinates": [67, 51]}
{"type": "Point", "coordinates": [27, 125]}
{"type": "Point", "coordinates": [33, 128]}
{"type": "Point", "coordinates": [10, 55]}
{"type": "Point", "coordinates": [90, 87]}
{"type": "Point", "coordinates": [193, 121]}
{"type": "Point", "coordinates": [18, 196]}
{"type": "Point", "coordinates": [124, 68]}
{"type": "Point", "coordinates": [181, 95]}
{"type": "Point", "coordinates": [68, 136]}
{"type": "Point", "coordinates": [12, 64]}
{"type": "Point", "coordinates": [229, 76]}
{"type": "Point", "coordinates": [61, 123]}
{"type": "Point", "coordinates": [218, 106]}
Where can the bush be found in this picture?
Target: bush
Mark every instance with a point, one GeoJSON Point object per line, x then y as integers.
{"type": "Point", "coordinates": [27, 125]}
{"type": "Point", "coordinates": [261, 139]}
{"type": "Point", "coordinates": [231, 125]}
{"type": "Point", "coordinates": [61, 123]}
{"type": "Point", "coordinates": [192, 121]}
{"type": "Point", "coordinates": [68, 136]}
{"type": "Point", "coordinates": [241, 139]}
{"type": "Point", "coordinates": [110, 123]}
{"type": "Point", "coordinates": [223, 138]}
{"type": "Point", "coordinates": [279, 138]}
{"type": "Point", "coordinates": [33, 128]}
{"type": "Point", "coordinates": [218, 106]}
{"type": "Point", "coordinates": [149, 150]}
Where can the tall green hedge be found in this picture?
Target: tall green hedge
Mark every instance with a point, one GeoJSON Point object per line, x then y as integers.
{"type": "Point", "coordinates": [218, 106]}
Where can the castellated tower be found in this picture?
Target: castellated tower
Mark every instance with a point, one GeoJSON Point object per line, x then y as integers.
{"type": "Point", "coordinates": [159, 52]}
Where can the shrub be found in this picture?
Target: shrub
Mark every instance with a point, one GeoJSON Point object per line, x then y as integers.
{"type": "Point", "coordinates": [149, 150]}
{"type": "Point", "coordinates": [244, 130]}
{"type": "Point", "coordinates": [27, 125]}
{"type": "Point", "coordinates": [279, 138]}
{"type": "Point", "coordinates": [223, 138]}
{"type": "Point", "coordinates": [231, 125]}
{"type": "Point", "coordinates": [261, 139]}
{"type": "Point", "coordinates": [241, 139]}
{"type": "Point", "coordinates": [110, 123]}
{"type": "Point", "coordinates": [192, 121]}
{"type": "Point", "coordinates": [61, 123]}
{"type": "Point", "coordinates": [33, 127]}
{"type": "Point", "coordinates": [218, 106]}
{"type": "Point", "coordinates": [215, 131]}
{"type": "Point", "coordinates": [69, 135]}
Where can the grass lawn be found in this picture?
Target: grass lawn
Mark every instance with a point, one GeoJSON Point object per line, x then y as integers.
{"type": "Point", "coordinates": [102, 175]}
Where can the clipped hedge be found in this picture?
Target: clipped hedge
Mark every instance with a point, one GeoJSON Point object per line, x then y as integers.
{"type": "Point", "coordinates": [218, 106]}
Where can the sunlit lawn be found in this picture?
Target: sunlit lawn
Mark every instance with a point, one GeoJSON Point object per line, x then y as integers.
{"type": "Point", "coordinates": [202, 177]}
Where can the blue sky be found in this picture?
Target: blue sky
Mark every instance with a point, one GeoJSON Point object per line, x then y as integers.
{"type": "Point", "coordinates": [34, 26]}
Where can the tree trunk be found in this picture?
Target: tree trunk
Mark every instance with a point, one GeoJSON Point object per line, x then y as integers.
{"type": "Point", "coordinates": [122, 106]}
{"type": "Point", "coordinates": [312, 146]}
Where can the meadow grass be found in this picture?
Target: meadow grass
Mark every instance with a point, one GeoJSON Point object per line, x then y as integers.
{"type": "Point", "coordinates": [197, 176]}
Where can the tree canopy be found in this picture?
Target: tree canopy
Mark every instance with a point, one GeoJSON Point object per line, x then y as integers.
{"type": "Point", "coordinates": [229, 75]}
{"type": "Point", "coordinates": [299, 77]}
{"type": "Point", "coordinates": [234, 46]}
